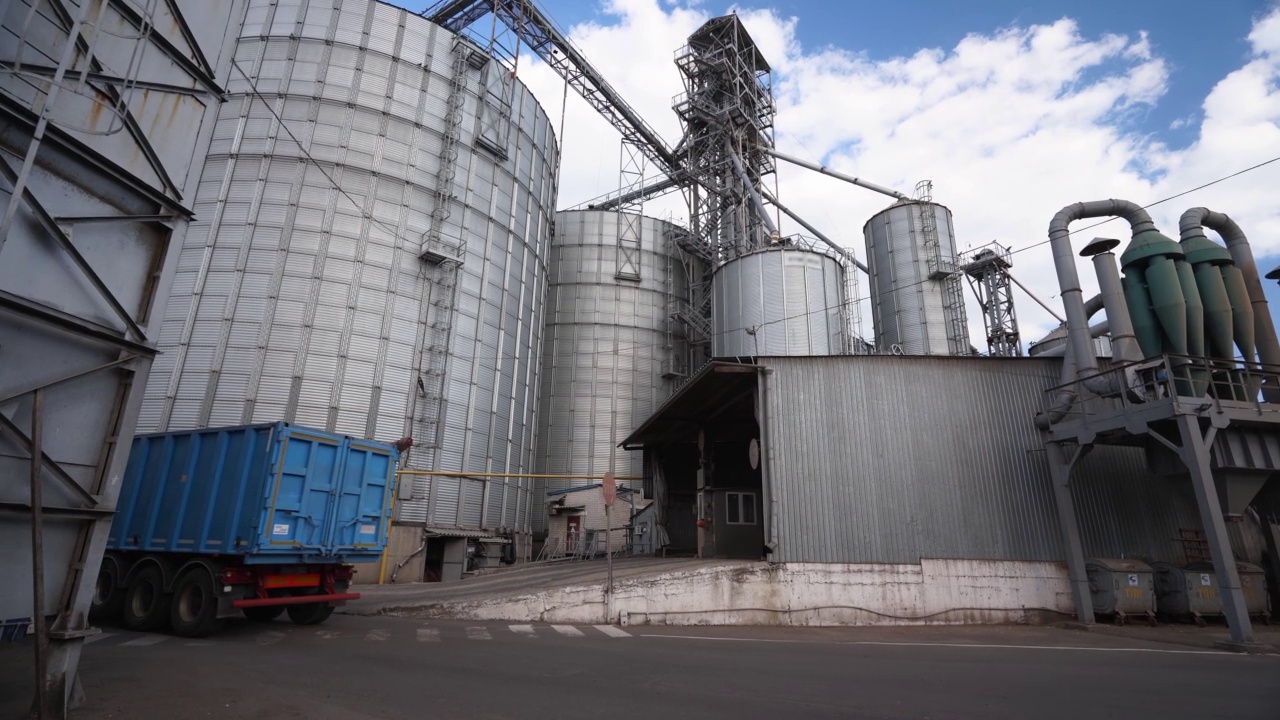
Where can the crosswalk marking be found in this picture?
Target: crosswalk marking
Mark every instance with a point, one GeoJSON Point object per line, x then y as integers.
{"type": "Point", "coordinates": [99, 636]}
{"type": "Point", "coordinates": [269, 637]}
{"type": "Point", "coordinates": [478, 633]}
{"type": "Point", "coordinates": [569, 630]}
{"type": "Point", "coordinates": [612, 631]}
{"type": "Point", "coordinates": [145, 640]}
{"type": "Point", "coordinates": [428, 635]}
{"type": "Point", "coordinates": [378, 635]}
{"type": "Point", "coordinates": [523, 630]}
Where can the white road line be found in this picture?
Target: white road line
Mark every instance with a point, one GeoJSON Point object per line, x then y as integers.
{"type": "Point", "coordinates": [328, 634]}
{"type": "Point", "coordinates": [612, 631]}
{"type": "Point", "coordinates": [269, 637]}
{"type": "Point", "coordinates": [99, 636]}
{"type": "Point", "coordinates": [957, 645]}
{"type": "Point", "coordinates": [428, 635]}
{"type": "Point", "coordinates": [523, 630]}
{"type": "Point", "coordinates": [145, 640]}
{"type": "Point", "coordinates": [478, 633]}
{"type": "Point", "coordinates": [199, 643]}
{"type": "Point", "coordinates": [378, 635]}
{"type": "Point", "coordinates": [569, 630]}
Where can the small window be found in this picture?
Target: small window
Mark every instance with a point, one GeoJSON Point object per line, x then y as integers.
{"type": "Point", "coordinates": [740, 508]}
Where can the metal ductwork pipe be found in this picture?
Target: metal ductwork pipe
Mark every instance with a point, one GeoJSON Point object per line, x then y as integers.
{"type": "Point", "coordinates": [1067, 396]}
{"type": "Point", "coordinates": [1124, 344]}
{"type": "Point", "coordinates": [845, 252]}
{"type": "Point", "coordinates": [1191, 224]}
{"type": "Point", "coordinates": [1069, 280]}
{"type": "Point", "coordinates": [751, 188]}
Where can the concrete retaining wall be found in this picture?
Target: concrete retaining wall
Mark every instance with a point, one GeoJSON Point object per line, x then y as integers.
{"type": "Point", "coordinates": [933, 592]}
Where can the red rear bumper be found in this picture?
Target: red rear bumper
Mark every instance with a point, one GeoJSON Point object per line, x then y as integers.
{"type": "Point", "coordinates": [294, 600]}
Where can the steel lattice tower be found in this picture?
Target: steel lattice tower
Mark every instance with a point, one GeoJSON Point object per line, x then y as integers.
{"type": "Point", "coordinates": [989, 277]}
{"type": "Point", "coordinates": [727, 111]}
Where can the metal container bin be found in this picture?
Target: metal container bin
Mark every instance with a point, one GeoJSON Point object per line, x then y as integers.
{"type": "Point", "coordinates": [1182, 593]}
{"type": "Point", "coordinates": [271, 493]}
{"type": "Point", "coordinates": [1253, 582]}
{"type": "Point", "coordinates": [1121, 588]}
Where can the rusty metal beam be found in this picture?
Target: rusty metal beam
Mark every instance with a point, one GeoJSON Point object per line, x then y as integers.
{"type": "Point", "coordinates": [43, 704]}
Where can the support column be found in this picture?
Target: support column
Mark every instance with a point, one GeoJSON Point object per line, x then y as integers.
{"type": "Point", "coordinates": [1061, 461]}
{"type": "Point", "coordinates": [1195, 455]}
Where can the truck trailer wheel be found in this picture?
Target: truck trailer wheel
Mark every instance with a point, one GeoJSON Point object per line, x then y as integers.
{"type": "Point", "coordinates": [194, 609]}
{"type": "Point", "coordinates": [108, 595]}
{"type": "Point", "coordinates": [263, 614]}
{"type": "Point", "coordinates": [310, 614]}
{"type": "Point", "coordinates": [146, 608]}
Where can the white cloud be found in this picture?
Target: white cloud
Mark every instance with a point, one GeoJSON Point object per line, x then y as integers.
{"type": "Point", "coordinates": [1010, 125]}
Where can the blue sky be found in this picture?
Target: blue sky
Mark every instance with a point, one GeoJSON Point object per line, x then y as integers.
{"type": "Point", "coordinates": [1013, 108]}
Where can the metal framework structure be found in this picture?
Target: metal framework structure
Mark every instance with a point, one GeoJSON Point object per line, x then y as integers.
{"type": "Point", "coordinates": [93, 199]}
{"type": "Point", "coordinates": [942, 267]}
{"type": "Point", "coordinates": [989, 278]}
{"type": "Point", "coordinates": [727, 112]}
{"type": "Point", "coordinates": [1227, 439]}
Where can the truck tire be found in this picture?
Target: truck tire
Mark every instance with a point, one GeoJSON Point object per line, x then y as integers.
{"type": "Point", "coordinates": [310, 614]}
{"type": "Point", "coordinates": [146, 607]}
{"type": "Point", "coordinates": [263, 614]}
{"type": "Point", "coordinates": [108, 594]}
{"type": "Point", "coordinates": [193, 611]}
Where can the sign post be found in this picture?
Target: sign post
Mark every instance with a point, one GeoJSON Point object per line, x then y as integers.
{"type": "Point", "coordinates": [609, 489]}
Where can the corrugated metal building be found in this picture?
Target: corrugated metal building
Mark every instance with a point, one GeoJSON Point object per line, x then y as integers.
{"type": "Point", "coordinates": [891, 459]}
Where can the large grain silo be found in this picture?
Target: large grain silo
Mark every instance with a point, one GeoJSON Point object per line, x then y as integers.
{"type": "Point", "coordinates": [780, 300]}
{"type": "Point", "coordinates": [611, 350]}
{"type": "Point", "coordinates": [917, 299]}
{"type": "Point", "coordinates": [369, 253]}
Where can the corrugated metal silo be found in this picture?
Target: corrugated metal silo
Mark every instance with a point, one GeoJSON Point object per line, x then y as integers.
{"type": "Point", "coordinates": [301, 294]}
{"type": "Point", "coordinates": [611, 351]}
{"type": "Point", "coordinates": [782, 300]}
{"type": "Point", "coordinates": [917, 302]}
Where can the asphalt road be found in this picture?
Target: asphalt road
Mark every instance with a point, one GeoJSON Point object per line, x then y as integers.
{"type": "Point", "coordinates": [381, 667]}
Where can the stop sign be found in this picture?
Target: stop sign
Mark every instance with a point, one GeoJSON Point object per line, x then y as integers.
{"type": "Point", "coordinates": [610, 490]}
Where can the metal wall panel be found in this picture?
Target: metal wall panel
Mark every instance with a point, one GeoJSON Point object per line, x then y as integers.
{"type": "Point", "coordinates": [907, 306]}
{"type": "Point", "coordinates": [605, 346]}
{"type": "Point", "coordinates": [95, 212]}
{"type": "Point", "coordinates": [335, 315]}
{"type": "Point", "coordinates": [778, 301]}
{"type": "Point", "coordinates": [891, 459]}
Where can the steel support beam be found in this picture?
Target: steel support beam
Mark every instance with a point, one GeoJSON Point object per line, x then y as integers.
{"type": "Point", "coordinates": [1061, 461]}
{"type": "Point", "coordinates": [70, 323]}
{"type": "Point", "coordinates": [31, 445]}
{"type": "Point", "coordinates": [44, 703]}
{"type": "Point", "coordinates": [1195, 455]}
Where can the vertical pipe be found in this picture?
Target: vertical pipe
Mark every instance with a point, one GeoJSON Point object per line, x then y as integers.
{"type": "Point", "coordinates": [1123, 340]}
{"type": "Point", "coordinates": [1061, 461]}
{"type": "Point", "coordinates": [37, 556]}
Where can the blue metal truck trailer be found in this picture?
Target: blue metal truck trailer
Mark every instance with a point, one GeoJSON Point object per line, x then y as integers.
{"type": "Point", "coordinates": [258, 519]}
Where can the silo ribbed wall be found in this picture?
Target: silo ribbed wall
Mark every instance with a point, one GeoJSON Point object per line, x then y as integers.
{"type": "Point", "coordinates": [778, 301]}
{"type": "Point", "coordinates": [908, 306]}
{"type": "Point", "coordinates": [609, 345]}
{"type": "Point", "coordinates": [300, 294]}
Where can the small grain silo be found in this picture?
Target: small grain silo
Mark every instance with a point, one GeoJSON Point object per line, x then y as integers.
{"type": "Point", "coordinates": [917, 299]}
{"type": "Point", "coordinates": [369, 252]}
{"type": "Point", "coordinates": [780, 300]}
{"type": "Point", "coordinates": [611, 353]}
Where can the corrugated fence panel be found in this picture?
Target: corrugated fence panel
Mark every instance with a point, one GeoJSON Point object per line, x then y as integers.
{"type": "Point", "coordinates": [894, 459]}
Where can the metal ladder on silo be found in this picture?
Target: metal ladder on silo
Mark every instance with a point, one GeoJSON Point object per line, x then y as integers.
{"type": "Point", "coordinates": [444, 261]}
{"type": "Point", "coordinates": [943, 269]}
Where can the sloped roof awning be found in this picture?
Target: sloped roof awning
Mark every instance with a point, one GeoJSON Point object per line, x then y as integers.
{"type": "Point", "coordinates": [715, 387]}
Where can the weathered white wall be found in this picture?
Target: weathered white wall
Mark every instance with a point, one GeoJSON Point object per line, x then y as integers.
{"type": "Point", "coordinates": [932, 592]}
